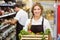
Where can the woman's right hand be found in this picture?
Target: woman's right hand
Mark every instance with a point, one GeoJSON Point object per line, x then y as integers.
{"type": "Point", "coordinates": [7, 21]}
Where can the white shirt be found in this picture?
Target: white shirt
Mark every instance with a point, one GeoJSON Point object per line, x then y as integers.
{"type": "Point", "coordinates": [46, 24]}
{"type": "Point", "coordinates": [21, 17]}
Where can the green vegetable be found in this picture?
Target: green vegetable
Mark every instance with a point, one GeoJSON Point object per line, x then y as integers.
{"type": "Point", "coordinates": [23, 32]}
{"type": "Point", "coordinates": [41, 33]}
{"type": "Point", "coordinates": [43, 38]}
{"type": "Point", "coordinates": [47, 31]}
{"type": "Point", "coordinates": [32, 33]}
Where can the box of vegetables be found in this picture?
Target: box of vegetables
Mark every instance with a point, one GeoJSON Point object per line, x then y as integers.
{"type": "Point", "coordinates": [25, 35]}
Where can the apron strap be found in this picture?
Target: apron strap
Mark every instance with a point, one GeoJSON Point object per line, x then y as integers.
{"type": "Point", "coordinates": [42, 21]}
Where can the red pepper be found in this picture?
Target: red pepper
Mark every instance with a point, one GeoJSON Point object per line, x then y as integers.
{"type": "Point", "coordinates": [29, 30]}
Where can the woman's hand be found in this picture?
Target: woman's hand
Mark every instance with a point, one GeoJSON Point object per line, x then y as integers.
{"type": "Point", "coordinates": [7, 21]}
{"type": "Point", "coordinates": [37, 33]}
{"type": "Point", "coordinates": [29, 26]}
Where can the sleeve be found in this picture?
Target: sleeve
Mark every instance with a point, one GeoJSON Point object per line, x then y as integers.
{"type": "Point", "coordinates": [26, 25]}
{"type": "Point", "coordinates": [48, 26]}
{"type": "Point", "coordinates": [18, 15]}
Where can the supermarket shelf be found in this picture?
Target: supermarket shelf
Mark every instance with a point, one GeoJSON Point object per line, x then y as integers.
{"type": "Point", "coordinates": [11, 36]}
{"type": "Point", "coordinates": [6, 15]}
{"type": "Point", "coordinates": [0, 38]}
{"type": "Point", "coordinates": [8, 31]}
{"type": "Point", "coordinates": [2, 27]}
{"type": "Point", "coordinates": [7, 5]}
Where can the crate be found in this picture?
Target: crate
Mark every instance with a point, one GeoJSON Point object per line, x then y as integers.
{"type": "Point", "coordinates": [33, 37]}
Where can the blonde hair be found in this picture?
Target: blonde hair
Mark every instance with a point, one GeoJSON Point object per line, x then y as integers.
{"type": "Point", "coordinates": [29, 26]}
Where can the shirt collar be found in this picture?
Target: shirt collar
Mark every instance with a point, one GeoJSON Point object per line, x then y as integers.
{"type": "Point", "coordinates": [40, 19]}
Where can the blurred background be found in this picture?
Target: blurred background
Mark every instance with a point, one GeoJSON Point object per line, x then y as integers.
{"type": "Point", "coordinates": [7, 31]}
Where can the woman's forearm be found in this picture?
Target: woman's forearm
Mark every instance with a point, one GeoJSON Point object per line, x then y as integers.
{"type": "Point", "coordinates": [12, 21]}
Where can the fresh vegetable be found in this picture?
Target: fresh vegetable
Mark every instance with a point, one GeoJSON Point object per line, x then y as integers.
{"type": "Point", "coordinates": [41, 33]}
{"type": "Point", "coordinates": [23, 32]}
{"type": "Point", "coordinates": [47, 31]}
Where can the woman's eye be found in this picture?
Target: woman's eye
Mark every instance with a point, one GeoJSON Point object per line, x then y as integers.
{"type": "Point", "coordinates": [38, 9]}
{"type": "Point", "coordinates": [34, 9]}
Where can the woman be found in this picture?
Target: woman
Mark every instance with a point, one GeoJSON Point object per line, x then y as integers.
{"type": "Point", "coordinates": [37, 23]}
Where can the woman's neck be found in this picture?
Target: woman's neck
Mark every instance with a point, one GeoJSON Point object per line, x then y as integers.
{"type": "Point", "coordinates": [36, 17]}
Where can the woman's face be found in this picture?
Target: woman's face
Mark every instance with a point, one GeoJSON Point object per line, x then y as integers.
{"type": "Point", "coordinates": [37, 11]}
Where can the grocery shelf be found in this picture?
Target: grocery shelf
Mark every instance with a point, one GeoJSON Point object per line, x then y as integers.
{"type": "Point", "coordinates": [6, 15]}
{"type": "Point", "coordinates": [0, 38]}
{"type": "Point", "coordinates": [11, 36]}
{"type": "Point", "coordinates": [6, 33]}
{"type": "Point", "coordinates": [7, 4]}
{"type": "Point", "coordinates": [3, 26]}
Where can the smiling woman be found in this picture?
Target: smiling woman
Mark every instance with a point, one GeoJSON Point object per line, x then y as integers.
{"type": "Point", "coordinates": [37, 23]}
{"type": "Point", "coordinates": [37, 8]}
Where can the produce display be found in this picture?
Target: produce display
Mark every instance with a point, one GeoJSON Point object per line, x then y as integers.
{"type": "Point", "coordinates": [25, 34]}
{"type": "Point", "coordinates": [7, 31]}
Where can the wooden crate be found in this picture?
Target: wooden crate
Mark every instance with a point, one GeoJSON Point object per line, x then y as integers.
{"type": "Point", "coordinates": [33, 37]}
